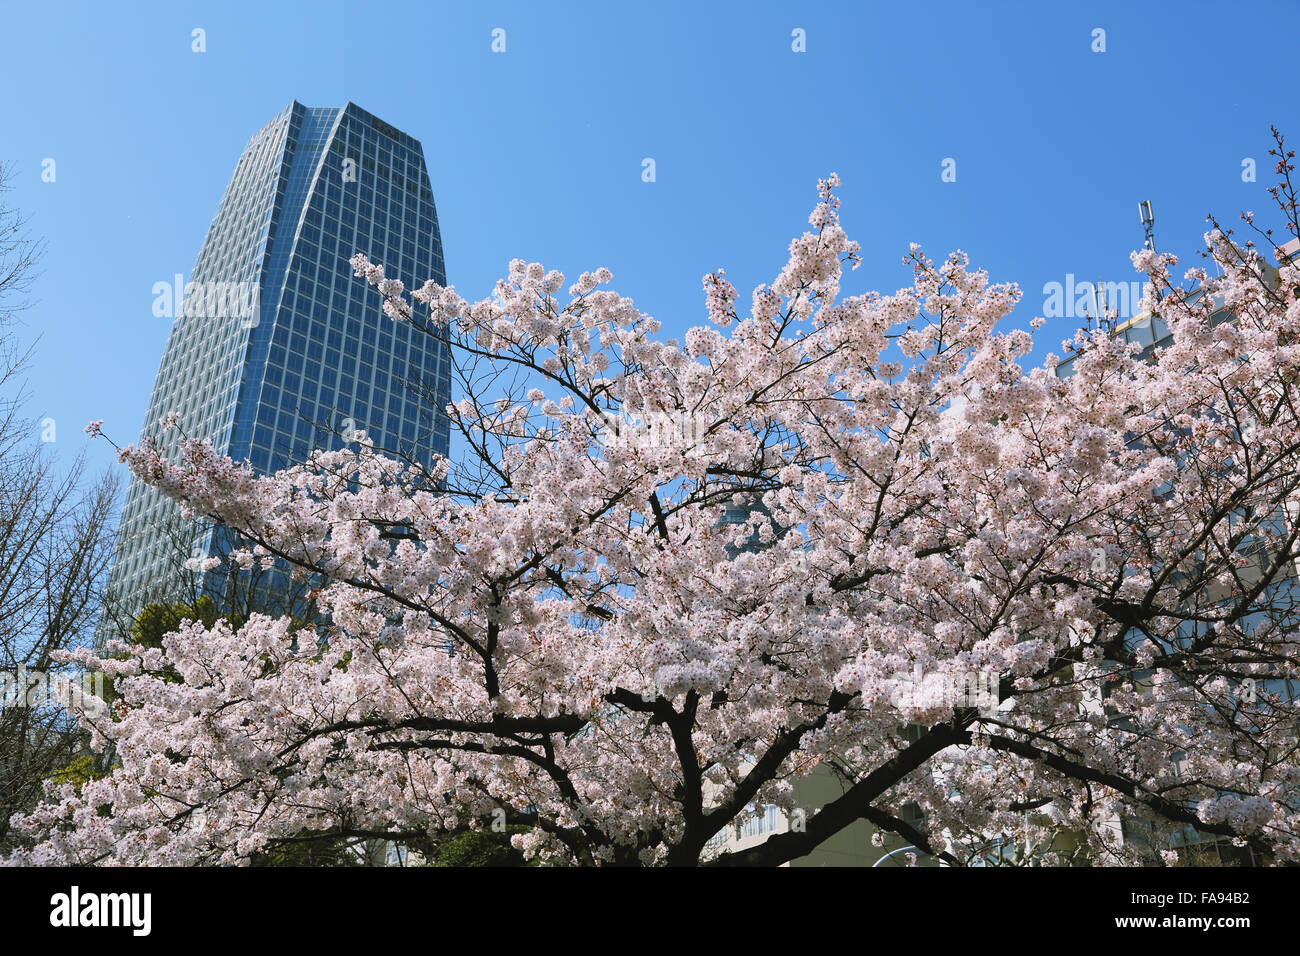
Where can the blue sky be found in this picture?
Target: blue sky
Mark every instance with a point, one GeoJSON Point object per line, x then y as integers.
{"type": "Point", "coordinates": [537, 152]}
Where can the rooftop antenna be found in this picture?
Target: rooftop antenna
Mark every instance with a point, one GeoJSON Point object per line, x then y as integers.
{"type": "Point", "coordinates": [1099, 299]}
{"type": "Point", "coordinates": [1148, 224]}
{"type": "Point", "coordinates": [1090, 313]}
{"type": "Point", "coordinates": [1148, 229]}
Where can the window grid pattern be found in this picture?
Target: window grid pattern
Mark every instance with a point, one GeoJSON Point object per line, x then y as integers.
{"type": "Point", "coordinates": [319, 351]}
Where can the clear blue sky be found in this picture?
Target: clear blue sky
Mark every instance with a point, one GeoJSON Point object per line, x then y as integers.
{"type": "Point", "coordinates": [537, 152]}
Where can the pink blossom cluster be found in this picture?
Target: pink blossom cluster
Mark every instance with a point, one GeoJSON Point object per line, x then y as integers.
{"type": "Point", "coordinates": [568, 629]}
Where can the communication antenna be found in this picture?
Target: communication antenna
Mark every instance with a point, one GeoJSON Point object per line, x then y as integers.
{"type": "Point", "coordinates": [1148, 224]}
{"type": "Point", "coordinates": [1099, 297]}
{"type": "Point", "coordinates": [1148, 229]}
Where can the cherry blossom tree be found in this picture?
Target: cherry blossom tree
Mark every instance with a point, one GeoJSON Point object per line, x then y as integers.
{"type": "Point", "coordinates": [562, 627]}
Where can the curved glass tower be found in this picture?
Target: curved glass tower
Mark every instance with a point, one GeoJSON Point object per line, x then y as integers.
{"type": "Point", "coordinates": [278, 345]}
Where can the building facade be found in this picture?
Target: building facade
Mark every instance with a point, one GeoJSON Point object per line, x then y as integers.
{"type": "Point", "coordinates": [277, 349]}
{"type": "Point", "coordinates": [1194, 847]}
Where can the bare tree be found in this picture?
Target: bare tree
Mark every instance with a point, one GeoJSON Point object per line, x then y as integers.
{"type": "Point", "coordinates": [55, 546]}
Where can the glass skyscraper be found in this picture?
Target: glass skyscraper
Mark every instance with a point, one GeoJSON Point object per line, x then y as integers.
{"type": "Point", "coordinates": [278, 345]}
